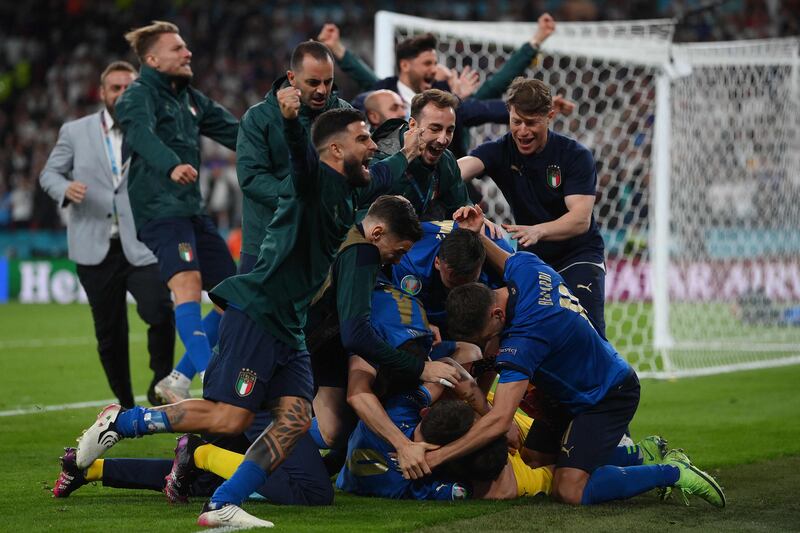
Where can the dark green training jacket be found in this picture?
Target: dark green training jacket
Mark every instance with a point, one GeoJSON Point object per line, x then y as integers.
{"type": "Point", "coordinates": [162, 124]}
{"type": "Point", "coordinates": [262, 161]}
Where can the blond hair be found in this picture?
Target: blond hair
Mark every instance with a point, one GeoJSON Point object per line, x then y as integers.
{"type": "Point", "coordinates": [142, 39]}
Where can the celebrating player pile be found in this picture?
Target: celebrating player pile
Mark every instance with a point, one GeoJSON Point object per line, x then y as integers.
{"type": "Point", "coordinates": [335, 252]}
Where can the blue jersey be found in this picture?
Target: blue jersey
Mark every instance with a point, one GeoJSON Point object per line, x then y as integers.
{"type": "Point", "coordinates": [371, 471]}
{"type": "Point", "coordinates": [535, 186]}
{"type": "Point", "coordinates": [549, 339]}
{"type": "Point", "coordinates": [416, 274]}
{"type": "Point", "coordinates": [399, 317]}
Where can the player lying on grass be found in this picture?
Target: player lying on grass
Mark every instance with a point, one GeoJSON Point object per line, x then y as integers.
{"type": "Point", "coordinates": [199, 467]}
{"type": "Point", "coordinates": [546, 338]}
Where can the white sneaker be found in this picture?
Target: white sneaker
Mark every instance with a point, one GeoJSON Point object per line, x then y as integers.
{"type": "Point", "coordinates": [173, 388]}
{"type": "Point", "coordinates": [230, 515]}
{"type": "Point", "coordinates": [101, 436]}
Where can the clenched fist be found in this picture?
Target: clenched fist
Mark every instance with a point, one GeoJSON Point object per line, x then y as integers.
{"type": "Point", "coordinates": [289, 102]}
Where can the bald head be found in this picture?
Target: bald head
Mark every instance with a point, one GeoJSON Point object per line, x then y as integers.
{"type": "Point", "coordinates": [382, 105]}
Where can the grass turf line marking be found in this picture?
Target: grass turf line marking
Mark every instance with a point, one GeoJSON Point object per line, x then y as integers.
{"type": "Point", "coordinates": [63, 341]}
{"type": "Point", "coordinates": [34, 409]}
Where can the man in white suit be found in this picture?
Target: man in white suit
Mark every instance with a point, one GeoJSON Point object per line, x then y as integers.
{"type": "Point", "coordinates": [86, 173]}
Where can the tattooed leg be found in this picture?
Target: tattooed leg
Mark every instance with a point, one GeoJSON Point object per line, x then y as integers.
{"type": "Point", "coordinates": [291, 419]}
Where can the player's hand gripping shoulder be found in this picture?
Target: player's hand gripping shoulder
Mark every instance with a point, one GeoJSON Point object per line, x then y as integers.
{"type": "Point", "coordinates": [438, 372]}
{"type": "Point", "coordinates": [546, 27]}
{"type": "Point", "coordinates": [525, 235]}
{"type": "Point", "coordinates": [330, 36]}
{"type": "Point", "coordinates": [471, 217]}
{"type": "Point", "coordinates": [289, 102]}
{"type": "Point", "coordinates": [413, 143]}
{"type": "Point", "coordinates": [184, 174]}
{"type": "Point", "coordinates": [411, 459]}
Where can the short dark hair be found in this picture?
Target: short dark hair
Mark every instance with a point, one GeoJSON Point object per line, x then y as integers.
{"type": "Point", "coordinates": [529, 97]}
{"type": "Point", "coordinates": [437, 97]}
{"type": "Point", "coordinates": [413, 46]}
{"type": "Point", "coordinates": [462, 251]}
{"type": "Point", "coordinates": [446, 421]}
{"type": "Point", "coordinates": [315, 49]}
{"type": "Point", "coordinates": [117, 66]}
{"type": "Point", "coordinates": [399, 216]}
{"type": "Point", "coordinates": [467, 308]}
{"type": "Point", "coordinates": [142, 39]}
{"type": "Point", "coordinates": [332, 122]}
{"type": "Point", "coordinates": [484, 464]}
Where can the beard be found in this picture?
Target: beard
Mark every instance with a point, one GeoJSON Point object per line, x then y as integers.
{"type": "Point", "coordinates": [354, 172]}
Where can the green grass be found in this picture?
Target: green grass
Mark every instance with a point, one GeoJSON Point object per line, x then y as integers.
{"type": "Point", "coordinates": [744, 428]}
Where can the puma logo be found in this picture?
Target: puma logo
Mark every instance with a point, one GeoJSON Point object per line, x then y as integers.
{"type": "Point", "coordinates": [567, 450]}
{"type": "Point", "coordinates": [587, 287]}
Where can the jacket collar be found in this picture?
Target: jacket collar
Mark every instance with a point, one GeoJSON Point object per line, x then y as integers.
{"type": "Point", "coordinates": [159, 79]}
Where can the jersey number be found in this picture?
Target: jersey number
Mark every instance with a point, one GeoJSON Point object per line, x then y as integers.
{"type": "Point", "coordinates": [567, 301]}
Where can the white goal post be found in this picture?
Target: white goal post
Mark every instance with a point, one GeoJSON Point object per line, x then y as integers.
{"type": "Point", "coordinates": [698, 155]}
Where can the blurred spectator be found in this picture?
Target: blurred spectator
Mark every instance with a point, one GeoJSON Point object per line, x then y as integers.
{"type": "Point", "coordinates": [52, 53]}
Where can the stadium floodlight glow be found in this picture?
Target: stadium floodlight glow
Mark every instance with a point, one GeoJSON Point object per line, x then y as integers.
{"type": "Point", "coordinates": [698, 152]}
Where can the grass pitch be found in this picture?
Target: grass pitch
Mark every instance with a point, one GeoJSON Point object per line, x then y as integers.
{"type": "Point", "coordinates": [743, 428]}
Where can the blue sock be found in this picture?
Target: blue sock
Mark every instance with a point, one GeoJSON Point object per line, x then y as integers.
{"type": "Point", "coordinates": [625, 456]}
{"type": "Point", "coordinates": [191, 331]}
{"type": "Point", "coordinates": [316, 436]}
{"type": "Point", "coordinates": [247, 479]}
{"type": "Point", "coordinates": [616, 483]}
{"type": "Point", "coordinates": [211, 327]}
{"type": "Point", "coordinates": [140, 421]}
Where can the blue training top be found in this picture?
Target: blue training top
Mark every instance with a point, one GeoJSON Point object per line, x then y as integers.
{"type": "Point", "coordinates": [371, 471]}
{"type": "Point", "coordinates": [535, 186]}
{"type": "Point", "coordinates": [550, 340]}
{"type": "Point", "coordinates": [416, 274]}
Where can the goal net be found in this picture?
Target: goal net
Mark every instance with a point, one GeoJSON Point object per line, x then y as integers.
{"type": "Point", "coordinates": [698, 164]}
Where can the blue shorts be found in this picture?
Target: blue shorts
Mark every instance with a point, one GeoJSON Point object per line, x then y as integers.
{"type": "Point", "coordinates": [188, 243]}
{"type": "Point", "coordinates": [586, 440]}
{"type": "Point", "coordinates": [250, 368]}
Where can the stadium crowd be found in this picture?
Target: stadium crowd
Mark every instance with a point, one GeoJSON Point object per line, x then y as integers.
{"type": "Point", "coordinates": [52, 52]}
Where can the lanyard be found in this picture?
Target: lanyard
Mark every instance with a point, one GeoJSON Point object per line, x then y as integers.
{"type": "Point", "coordinates": [110, 150]}
{"type": "Point", "coordinates": [432, 188]}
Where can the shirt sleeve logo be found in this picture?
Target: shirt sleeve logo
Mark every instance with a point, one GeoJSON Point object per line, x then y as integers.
{"type": "Point", "coordinates": [411, 285]}
{"type": "Point", "coordinates": [185, 251]}
{"type": "Point", "coordinates": [554, 176]}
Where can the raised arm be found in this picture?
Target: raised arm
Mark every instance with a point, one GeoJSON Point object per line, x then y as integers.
{"type": "Point", "coordinates": [350, 63]}
{"type": "Point", "coordinates": [304, 159]}
{"type": "Point", "coordinates": [387, 172]}
{"type": "Point", "coordinates": [496, 85]}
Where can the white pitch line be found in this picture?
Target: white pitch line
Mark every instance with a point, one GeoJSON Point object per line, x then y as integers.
{"type": "Point", "coordinates": [62, 341]}
{"type": "Point", "coordinates": [34, 409]}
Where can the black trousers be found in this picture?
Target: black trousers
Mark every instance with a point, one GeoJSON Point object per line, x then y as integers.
{"type": "Point", "coordinates": [106, 286]}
